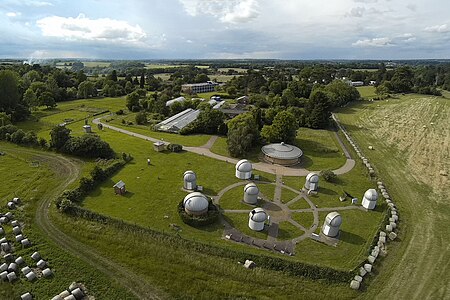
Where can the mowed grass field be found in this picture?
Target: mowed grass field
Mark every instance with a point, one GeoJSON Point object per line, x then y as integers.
{"type": "Point", "coordinates": [367, 91]}
{"type": "Point", "coordinates": [410, 136]}
{"type": "Point", "coordinates": [31, 182]}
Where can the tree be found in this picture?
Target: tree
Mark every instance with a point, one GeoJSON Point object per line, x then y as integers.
{"type": "Point", "coordinates": [47, 99]}
{"type": "Point", "coordinates": [283, 128]}
{"type": "Point", "coordinates": [86, 89]}
{"type": "Point", "coordinates": [9, 92]}
{"type": "Point", "coordinates": [242, 134]}
{"type": "Point", "coordinates": [402, 81]}
{"type": "Point", "coordinates": [142, 81]}
{"type": "Point", "coordinates": [113, 76]}
{"type": "Point", "coordinates": [318, 110]}
{"type": "Point", "coordinates": [132, 100]}
{"type": "Point", "coordinates": [141, 118]}
{"type": "Point", "coordinates": [30, 98]}
{"type": "Point", "coordinates": [59, 135]}
{"type": "Point", "coordinates": [4, 119]}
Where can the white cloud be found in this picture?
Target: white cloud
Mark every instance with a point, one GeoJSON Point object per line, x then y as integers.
{"type": "Point", "coordinates": [375, 42]}
{"type": "Point", "coordinates": [405, 38]}
{"type": "Point", "coordinates": [357, 12]}
{"type": "Point", "coordinates": [83, 28]}
{"type": "Point", "coordinates": [228, 11]}
{"type": "Point", "coordinates": [438, 28]}
{"type": "Point", "coordinates": [13, 14]}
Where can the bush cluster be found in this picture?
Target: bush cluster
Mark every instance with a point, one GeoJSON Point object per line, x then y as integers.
{"type": "Point", "coordinates": [175, 147]}
{"type": "Point", "coordinates": [198, 221]}
{"type": "Point", "coordinates": [17, 136]}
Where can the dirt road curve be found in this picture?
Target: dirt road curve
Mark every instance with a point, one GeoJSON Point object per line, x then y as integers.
{"type": "Point", "coordinates": [69, 169]}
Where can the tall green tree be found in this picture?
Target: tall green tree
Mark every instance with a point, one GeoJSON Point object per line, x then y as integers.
{"type": "Point", "coordinates": [318, 110]}
{"type": "Point", "coordinates": [242, 134]}
{"type": "Point", "coordinates": [283, 128]}
{"type": "Point", "coordinates": [59, 135]}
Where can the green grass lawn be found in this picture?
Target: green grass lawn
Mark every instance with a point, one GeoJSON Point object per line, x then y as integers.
{"type": "Point", "coordinates": [208, 96]}
{"type": "Point", "coordinates": [240, 222]}
{"type": "Point", "coordinates": [287, 195]}
{"type": "Point", "coordinates": [306, 219]}
{"type": "Point", "coordinates": [367, 91]}
{"type": "Point", "coordinates": [287, 231]}
{"type": "Point", "coordinates": [234, 199]}
{"type": "Point", "coordinates": [163, 76]}
{"type": "Point", "coordinates": [220, 147]}
{"type": "Point", "coordinates": [300, 204]}
{"type": "Point", "coordinates": [268, 190]}
{"type": "Point", "coordinates": [320, 149]}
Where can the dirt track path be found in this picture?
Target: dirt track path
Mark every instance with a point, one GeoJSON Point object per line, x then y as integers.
{"type": "Point", "coordinates": [69, 169]}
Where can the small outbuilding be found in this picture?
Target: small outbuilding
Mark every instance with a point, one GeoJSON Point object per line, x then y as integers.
{"type": "Point", "coordinates": [190, 180]}
{"type": "Point", "coordinates": [312, 182]}
{"type": "Point", "coordinates": [244, 169]}
{"type": "Point", "coordinates": [256, 219]}
{"type": "Point", "coordinates": [196, 204]}
{"type": "Point", "coordinates": [87, 128]}
{"type": "Point", "coordinates": [331, 225]}
{"type": "Point", "coordinates": [370, 198]}
{"type": "Point", "coordinates": [282, 154]}
{"type": "Point", "coordinates": [251, 192]}
{"type": "Point", "coordinates": [159, 146]}
{"type": "Point", "coordinates": [119, 188]}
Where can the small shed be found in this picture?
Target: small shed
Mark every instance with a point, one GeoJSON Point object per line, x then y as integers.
{"type": "Point", "coordinates": [331, 225]}
{"type": "Point", "coordinates": [244, 169]}
{"type": "Point", "coordinates": [251, 192]}
{"type": "Point", "coordinates": [312, 182]}
{"type": "Point", "coordinates": [256, 219]}
{"type": "Point", "coordinates": [190, 180]}
{"type": "Point", "coordinates": [87, 128]}
{"type": "Point", "coordinates": [119, 188]}
{"type": "Point", "coordinates": [159, 146]}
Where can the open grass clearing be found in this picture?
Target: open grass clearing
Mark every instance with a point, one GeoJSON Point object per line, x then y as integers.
{"type": "Point", "coordinates": [367, 92]}
{"type": "Point", "coordinates": [287, 231]}
{"type": "Point", "coordinates": [306, 219]}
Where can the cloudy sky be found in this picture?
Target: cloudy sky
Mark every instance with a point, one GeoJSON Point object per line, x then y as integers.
{"type": "Point", "coordinates": [285, 29]}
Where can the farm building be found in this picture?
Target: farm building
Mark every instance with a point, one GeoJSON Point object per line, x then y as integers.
{"type": "Point", "coordinates": [178, 121]}
{"type": "Point", "coordinates": [331, 225]}
{"type": "Point", "coordinates": [179, 99]}
{"type": "Point", "coordinates": [256, 219]}
{"type": "Point", "coordinates": [251, 192]}
{"type": "Point", "coordinates": [195, 88]}
{"type": "Point", "coordinates": [119, 188]}
{"type": "Point", "coordinates": [196, 204]}
{"type": "Point", "coordinates": [244, 169]}
{"type": "Point", "coordinates": [190, 180]}
{"type": "Point", "coordinates": [370, 199]}
{"type": "Point", "coordinates": [159, 146]}
{"type": "Point", "coordinates": [282, 154]}
{"type": "Point", "coordinates": [312, 182]}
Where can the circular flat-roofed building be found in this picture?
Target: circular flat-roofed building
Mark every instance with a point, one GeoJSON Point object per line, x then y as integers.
{"type": "Point", "coordinates": [282, 154]}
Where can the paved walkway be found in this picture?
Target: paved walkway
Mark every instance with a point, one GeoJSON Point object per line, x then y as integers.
{"type": "Point", "coordinates": [260, 166]}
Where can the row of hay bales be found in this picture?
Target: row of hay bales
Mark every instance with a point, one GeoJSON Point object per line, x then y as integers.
{"type": "Point", "coordinates": [391, 226]}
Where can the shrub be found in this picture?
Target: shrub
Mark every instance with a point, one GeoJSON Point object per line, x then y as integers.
{"type": "Point", "coordinates": [175, 147]}
{"type": "Point", "coordinates": [328, 175]}
{"type": "Point", "coordinates": [119, 112]}
{"type": "Point", "coordinates": [17, 136]}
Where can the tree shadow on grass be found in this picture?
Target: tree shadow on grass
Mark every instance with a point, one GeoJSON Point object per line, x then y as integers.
{"type": "Point", "coordinates": [305, 162]}
{"type": "Point", "coordinates": [351, 238]}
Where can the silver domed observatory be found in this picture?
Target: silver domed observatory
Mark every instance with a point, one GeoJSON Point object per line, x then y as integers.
{"type": "Point", "coordinates": [312, 182]}
{"type": "Point", "coordinates": [256, 219]}
{"type": "Point", "coordinates": [196, 204]}
{"type": "Point", "coordinates": [190, 180]}
{"type": "Point", "coordinates": [251, 192]}
{"type": "Point", "coordinates": [370, 199]}
{"type": "Point", "coordinates": [244, 169]}
{"type": "Point", "coordinates": [331, 225]}
{"type": "Point", "coordinates": [282, 154]}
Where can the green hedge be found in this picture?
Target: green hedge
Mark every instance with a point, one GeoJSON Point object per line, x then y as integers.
{"type": "Point", "coordinates": [198, 221]}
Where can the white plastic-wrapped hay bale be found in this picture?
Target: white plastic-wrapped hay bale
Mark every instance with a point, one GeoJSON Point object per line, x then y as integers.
{"type": "Point", "coordinates": [15, 223]}
{"type": "Point", "coordinates": [382, 233]}
{"type": "Point", "coordinates": [5, 247]}
{"type": "Point", "coordinates": [393, 225]}
{"type": "Point", "coordinates": [73, 286]}
{"type": "Point", "coordinates": [12, 267]}
{"type": "Point", "coordinates": [355, 284]}
{"type": "Point", "coordinates": [2, 231]}
{"type": "Point", "coordinates": [16, 200]}
{"type": "Point", "coordinates": [362, 272]}
{"type": "Point", "coordinates": [47, 273]}
{"type": "Point", "coordinates": [41, 264]}
{"type": "Point", "coordinates": [3, 240]}
{"type": "Point", "coordinates": [20, 261]}
{"type": "Point", "coordinates": [8, 258]}
{"type": "Point", "coordinates": [64, 294]}
{"type": "Point", "coordinates": [25, 243]}
{"type": "Point", "coordinates": [70, 297]}
{"type": "Point", "coordinates": [11, 205]}
{"type": "Point", "coordinates": [371, 259]}
{"type": "Point", "coordinates": [4, 275]}
{"type": "Point", "coordinates": [3, 267]}
{"type": "Point", "coordinates": [9, 215]}
{"type": "Point", "coordinates": [392, 236]}
{"type": "Point", "coordinates": [26, 296]}
{"type": "Point", "coordinates": [17, 230]}
{"type": "Point", "coordinates": [388, 228]}
{"type": "Point", "coordinates": [31, 276]}
{"type": "Point", "coordinates": [26, 270]}
{"type": "Point", "coordinates": [395, 218]}
{"type": "Point", "coordinates": [382, 239]}
{"type": "Point", "coordinates": [36, 256]}
{"type": "Point", "coordinates": [11, 277]}
{"type": "Point", "coordinates": [368, 268]}
{"type": "Point", "coordinates": [3, 220]}
{"type": "Point", "coordinates": [78, 293]}
{"type": "Point", "coordinates": [358, 278]}
{"type": "Point", "coordinates": [57, 297]}
{"type": "Point", "coordinates": [19, 238]}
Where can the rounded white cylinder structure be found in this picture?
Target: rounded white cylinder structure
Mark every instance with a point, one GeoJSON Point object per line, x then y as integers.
{"type": "Point", "coordinates": [196, 204]}
{"type": "Point", "coordinates": [256, 219]}
{"type": "Point", "coordinates": [312, 182]}
{"type": "Point", "coordinates": [244, 169]}
{"type": "Point", "coordinates": [190, 180]}
{"type": "Point", "coordinates": [331, 225]}
{"type": "Point", "coordinates": [251, 192]}
{"type": "Point", "coordinates": [370, 198]}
